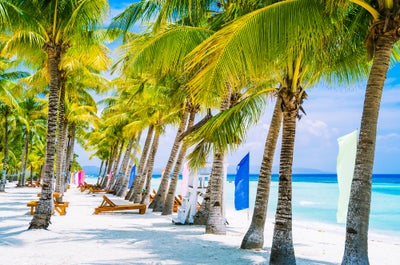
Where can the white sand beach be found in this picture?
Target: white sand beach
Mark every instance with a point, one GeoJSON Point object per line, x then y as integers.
{"type": "Point", "coordinates": [80, 237]}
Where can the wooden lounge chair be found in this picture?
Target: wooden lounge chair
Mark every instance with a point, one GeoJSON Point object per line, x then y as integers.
{"type": "Point", "coordinates": [108, 206]}
{"type": "Point", "coordinates": [86, 186]}
{"type": "Point", "coordinates": [33, 184]}
{"type": "Point", "coordinates": [177, 203]}
{"type": "Point", "coordinates": [59, 207]}
{"type": "Point", "coordinates": [97, 190]}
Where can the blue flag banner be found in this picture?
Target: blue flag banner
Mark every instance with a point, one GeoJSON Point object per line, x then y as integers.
{"type": "Point", "coordinates": [242, 184]}
{"type": "Point", "coordinates": [132, 176]}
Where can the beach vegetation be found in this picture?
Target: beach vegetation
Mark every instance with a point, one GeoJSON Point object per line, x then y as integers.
{"type": "Point", "coordinates": [377, 25]}
{"type": "Point", "coordinates": [51, 28]}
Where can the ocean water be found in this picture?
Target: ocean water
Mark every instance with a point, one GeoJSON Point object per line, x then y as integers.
{"type": "Point", "coordinates": [315, 198]}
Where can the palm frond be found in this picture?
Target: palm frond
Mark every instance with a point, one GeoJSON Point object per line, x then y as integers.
{"type": "Point", "coordinates": [162, 53]}
{"type": "Point", "coordinates": [276, 34]}
{"type": "Point", "coordinates": [228, 128]}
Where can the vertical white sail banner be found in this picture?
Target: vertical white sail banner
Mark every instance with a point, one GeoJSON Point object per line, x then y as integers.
{"type": "Point", "coordinates": [346, 160]}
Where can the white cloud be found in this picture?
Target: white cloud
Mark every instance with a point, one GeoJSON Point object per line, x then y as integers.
{"type": "Point", "coordinates": [314, 128]}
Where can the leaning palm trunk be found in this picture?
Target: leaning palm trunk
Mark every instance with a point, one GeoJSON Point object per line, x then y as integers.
{"type": "Point", "coordinates": [70, 149]}
{"type": "Point", "coordinates": [102, 173]}
{"type": "Point", "coordinates": [135, 192]}
{"type": "Point", "coordinates": [24, 160]}
{"type": "Point", "coordinates": [216, 221]}
{"type": "Point", "coordinates": [254, 238]}
{"type": "Point", "coordinates": [124, 186]}
{"type": "Point", "coordinates": [282, 251]}
{"type": "Point", "coordinates": [4, 172]}
{"type": "Point", "coordinates": [169, 200]}
{"type": "Point", "coordinates": [114, 174]}
{"type": "Point", "coordinates": [150, 165]}
{"type": "Point", "coordinates": [159, 200]}
{"type": "Point", "coordinates": [41, 218]}
{"type": "Point", "coordinates": [121, 173]}
{"type": "Point", "coordinates": [104, 180]}
{"type": "Point", "coordinates": [356, 246]}
{"type": "Point", "coordinates": [60, 141]}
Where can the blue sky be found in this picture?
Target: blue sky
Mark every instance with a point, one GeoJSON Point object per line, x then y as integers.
{"type": "Point", "coordinates": [331, 113]}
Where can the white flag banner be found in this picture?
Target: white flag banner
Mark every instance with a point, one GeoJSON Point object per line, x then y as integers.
{"type": "Point", "coordinates": [346, 160]}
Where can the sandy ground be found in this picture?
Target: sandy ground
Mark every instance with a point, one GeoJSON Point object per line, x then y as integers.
{"type": "Point", "coordinates": [80, 237]}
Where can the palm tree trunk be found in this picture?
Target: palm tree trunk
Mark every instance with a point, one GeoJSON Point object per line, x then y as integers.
{"type": "Point", "coordinates": [169, 200]}
{"type": "Point", "coordinates": [150, 165]}
{"type": "Point", "coordinates": [254, 237]}
{"type": "Point", "coordinates": [124, 186]}
{"type": "Point", "coordinates": [216, 221]}
{"type": "Point", "coordinates": [103, 167]}
{"type": "Point", "coordinates": [60, 141]}
{"type": "Point", "coordinates": [282, 250]}
{"type": "Point", "coordinates": [356, 245]}
{"type": "Point", "coordinates": [116, 164]}
{"type": "Point", "coordinates": [4, 172]}
{"type": "Point", "coordinates": [71, 147]}
{"type": "Point", "coordinates": [136, 189]}
{"type": "Point", "coordinates": [24, 160]}
{"type": "Point", "coordinates": [121, 174]}
{"type": "Point", "coordinates": [110, 165]}
{"type": "Point", "coordinates": [42, 216]}
{"type": "Point", "coordinates": [159, 200]}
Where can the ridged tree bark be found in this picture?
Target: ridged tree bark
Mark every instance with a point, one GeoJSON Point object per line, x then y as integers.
{"type": "Point", "coordinates": [124, 186]}
{"type": "Point", "coordinates": [150, 166]}
{"type": "Point", "coordinates": [356, 245]}
{"type": "Point", "coordinates": [4, 172]}
{"type": "Point", "coordinates": [282, 250]}
{"type": "Point", "coordinates": [70, 149]}
{"type": "Point", "coordinates": [113, 151]}
{"type": "Point", "coordinates": [135, 192]}
{"type": "Point", "coordinates": [216, 220]}
{"type": "Point", "coordinates": [254, 237]}
{"type": "Point", "coordinates": [60, 150]}
{"type": "Point", "coordinates": [169, 200]}
{"type": "Point", "coordinates": [124, 164]}
{"type": "Point", "coordinates": [159, 200]}
{"type": "Point", "coordinates": [24, 160]}
{"type": "Point", "coordinates": [103, 167]}
{"type": "Point", "coordinates": [116, 164]}
{"type": "Point", "coordinates": [42, 216]}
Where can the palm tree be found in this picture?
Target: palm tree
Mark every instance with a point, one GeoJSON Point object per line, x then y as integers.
{"type": "Point", "coordinates": [8, 104]}
{"type": "Point", "coordinates": [254, 237]}
{"type": "Point", "coordinates": [139, 57]}
{"type": "Point", "coordinates": [170, 195]}
{"type": "Point", "coordinates": [292, 64]}
{"type": "Point", "coordinates": [376, 24]}
{"type": "Point", "coordinates": [53, 27]}
{"type": "Point", "coordinates": [32, 119]}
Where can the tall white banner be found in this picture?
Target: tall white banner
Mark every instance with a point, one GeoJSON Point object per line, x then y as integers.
{"type": "Point", "coordinates": [346, 160]}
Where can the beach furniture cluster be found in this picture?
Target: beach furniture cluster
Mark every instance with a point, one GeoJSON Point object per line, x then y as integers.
{"type": "Point", "coordinates": [59, 207]}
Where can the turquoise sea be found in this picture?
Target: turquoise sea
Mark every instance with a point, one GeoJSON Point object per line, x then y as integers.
{"type": "Point", "coordinates": [315, 198]}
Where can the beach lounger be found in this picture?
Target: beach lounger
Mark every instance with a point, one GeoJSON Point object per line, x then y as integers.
{"type": "Point", "coordinates": [86, 186]}
{"type": "Point", "coordinates": [59, 207]}
{"type": "Point", "coordinates": [109, 206]}
{"type": "Point", "coordinates": [177, 203]}
{"type": "Point", "coordinates": [98, 190]}
{"type": "Point", "coordinates": [33, 184]}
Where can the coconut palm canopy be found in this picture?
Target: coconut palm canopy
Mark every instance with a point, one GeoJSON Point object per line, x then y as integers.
{"type": "Point", "coordinates": [221, 60]}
